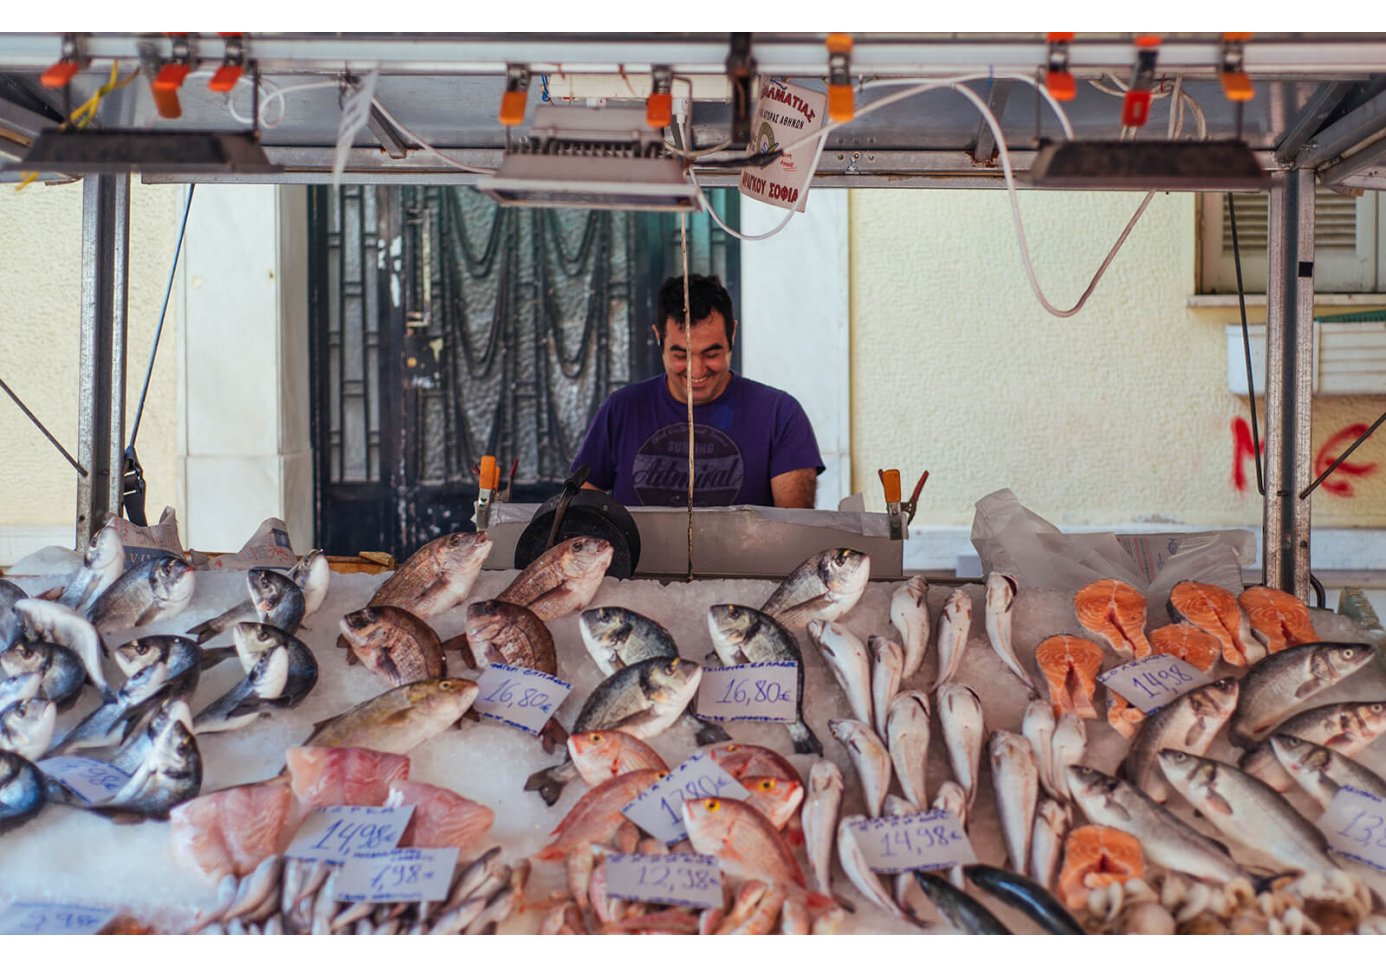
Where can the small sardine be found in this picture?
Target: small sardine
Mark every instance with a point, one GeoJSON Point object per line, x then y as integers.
{"type": "Point", "coordinates": [1070, 742]}
{"type": "Point", "coordinates": [869, 757]}
{"type": "Point", "coordinates": [1015, 779]}
{"type": "Point", "coordinates": [1278, 683]}
{"type": "Point", "coordinates": [1188, 723]}
{"type": "Point", "coordinates": [849, 661]}
{"type": "Point", "coordinates": [820, 814]}
{"type": "Point", "coordinates": [825, 587]}
{"type": "Point", "coordinates": [887, 665]}
{"type": "Point", "coordinates": [256, 887]}
{"type": "Point", "coordinates": [907, 738]}
{"type": "Point", "coordinates": [56, 623]}
{"type": "Point", "coordinates": [1038, 726]}
{"type": "Point", "coordinates": [1320, 771]}
{"type": "Point", "coordinates": [1052, 820]}
{"type": "Point", "coordinates": [953, 629]}
{"type": "Point", "coordinates": [909, 613]}
{"type": "Point", "coordinates": [964, 729]}
{"type": "Point", "coordinates": [1001, 592]}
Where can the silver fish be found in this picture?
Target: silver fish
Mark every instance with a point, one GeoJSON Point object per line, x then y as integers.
{"type": "Point", "coordinates": [174, 676]}
{"type": "Point", "coordinates": [171, 774]}
{"type": "Point", "coordinates": [907, 738]}
{"type": "Point", "coordinates": [909, 613]}
{"type": "Point", "coordinates": [1166, 840]}
{"type": "Point", "coordinates": [253, 638]}
{"type": "Point", "coordinates": [1038, 727]}
{"type": "Point", "coordinates": [740, 635]}
{"type": "Point", "coordinates": [849, 661]}
{"type": "Point", "coordinates": [953, 629]}
{"type": "Point", "coordinates": [1273, 687]}
{"type": "Point", "coordinates": [1070, 742]}
{"type": "Point", "coordinates": [26, 727]}
{"type": "Point", "coordinates": [1320, 771]}
{"type": "Point", "coordinates": [22, 791]}
{"type": "Point", "coordinates": [859, 872]}
{"type": "Point", "coordinates": [136, 654]}
{"type": "Point", "coordinates": [1001, 592]}
{"type": "Point", "coordinates": [312, 574]}
{"type": "Point", "coordinates": [156, 589]}
{"type": "Point", "coordinates": [1348, 727]}
{"type": "Point", "coordinates": [819, 818]}
{"type": "Point", "coordinates": [887, 663]}
{"type": "Point", "coordinates": [1015, 779]}
{"type": "Point", "coordinates": [275, 599]}
{"type": "Point", "coordinates": [56, 623]}
{"type": "Point", "coordinates": [869, 757]}
{"type": "Point", "coordinates": [1247, 811]}
{"type": "Point", "coordinates": [1189, 724]}
{"type": "Point", "coordinates": [136, 748]}
{"type": "Point", "coordinates": [960, 716]}
{"type": "Point", "coordinates": [10, 632]}
{"type": "Point", "coordinates": [25, 685]}
{"type": "Point", "coordinates": [825, 586]}
{"type": "Point", "coordinates": [61, 670]}
{"type": "Point", "coordinates": [101, 566]}
{"type": "Point", "coordinates": [256, 888]}
{"type": "Point", "coordinates": [248, 700]}
{"type": "Point", "coordinates": [643, 699]}
{"type": "Point", "coordinates": [1052, 822]}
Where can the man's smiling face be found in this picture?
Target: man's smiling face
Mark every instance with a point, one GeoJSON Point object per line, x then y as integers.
{"type": "Point", "coordinates": [707, 344]}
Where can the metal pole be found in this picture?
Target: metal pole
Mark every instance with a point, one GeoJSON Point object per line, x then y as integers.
{"type": "Point", "coordinates": [1289, 378]}
{"type": "Point", "coordinates": [101, 381]}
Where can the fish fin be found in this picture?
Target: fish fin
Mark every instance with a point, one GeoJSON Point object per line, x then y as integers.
{"type": "Point", "coordinates": [710, 732]}
{"type": "Point", "coordinates": [553, 735]}
{"type": "Point", "coordinates": [801, 612]}
{"type": "Point", "coordinates": [385, 663]}
{"type": "Point", "coordinates": [1218, 804]}
{"type": "Point", "coordinates": [471, 716]}
{"type": "Point", "coordinates": [458, 643]}
{"type": "Point", "coordinates": [148, 615]}
{"type": "Point", "coordinates": [1308, 688]}
{"type": "Point", "coordinates": [1191, 737]}
{"type": "Point", "coordinates": [252, 704]}
{"type": "Point", "coordinates": [211, 657]}
{"type": "Point", "coordinates": [51, 595]}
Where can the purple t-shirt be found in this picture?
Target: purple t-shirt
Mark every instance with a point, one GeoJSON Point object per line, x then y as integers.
{"type": "Point", "coordinates": [637, 445]}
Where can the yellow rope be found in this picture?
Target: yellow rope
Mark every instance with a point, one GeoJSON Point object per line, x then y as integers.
{"type": "Point", "coordinates": [86, 112]}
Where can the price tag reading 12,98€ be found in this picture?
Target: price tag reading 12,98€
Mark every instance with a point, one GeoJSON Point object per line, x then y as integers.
{"type": "Point", "coordinates": [1355, 825]}
{"type": "Point", "coordinates": [659, 810]}
{"type": "Point", "coordinates": [523, 698]}
{"type": "Point", "coordinates": [665, 878]}
{"type": "Point", "coordinates": [916, 841]}
{"type": "Point", "coordinates": [1153, 682]}
{"type": "Point", "coordinates": [337, 833]}
{"type": "Point", "coordinates": [766, 692]}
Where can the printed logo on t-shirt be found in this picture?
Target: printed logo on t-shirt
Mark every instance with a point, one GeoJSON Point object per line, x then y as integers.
{"type": "Point", "coordinates": [660, 468]}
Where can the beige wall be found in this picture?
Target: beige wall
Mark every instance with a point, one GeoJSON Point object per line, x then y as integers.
{"type": "Point", "coordinates": [40, 307]}
{"type": "Point", "coordinates": [1120, 414]}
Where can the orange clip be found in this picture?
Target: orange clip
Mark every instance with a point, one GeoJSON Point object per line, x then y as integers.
{"type": "Point", "coordinates": [1135, 107]}
{"type": "Point", "coordinates": [512, 109]}
{"type": "Point", "coordinates": [62, 73]}
{"type": "Point", "coordinates": [1236, 82]}
{"type": "Point", "coordinates": [232, 66]}
{"type": "Point", "coordinates": [1058, 79]}
{"type": "Point", "coordinates": [489, 477]}
{"type": "Point", "coordinates": [890, 480]}
{"type": "Point", "coordinates": [841, 101]}
{"type": "Point", "coordinates": [659, 110]}
{"type": "Point", "coordinates": [171, 76]}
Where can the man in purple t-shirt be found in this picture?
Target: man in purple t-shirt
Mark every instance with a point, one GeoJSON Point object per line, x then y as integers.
{"type": "Point", "coordinates": [752, 443]}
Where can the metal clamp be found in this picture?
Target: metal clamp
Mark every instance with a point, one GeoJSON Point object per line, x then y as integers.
{"type": "Point", "coordinates": [1058, 79]}
{"type": "Point", "coordinates": [1135, 107]}
{"type": "Point", "coordinates": [841, 106]}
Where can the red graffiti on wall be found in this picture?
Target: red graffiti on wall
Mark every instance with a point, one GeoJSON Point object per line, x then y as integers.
{"type": "Point", "coordinates": [1337, 483]}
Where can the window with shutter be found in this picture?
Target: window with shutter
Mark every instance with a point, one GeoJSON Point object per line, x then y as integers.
{"type": "Point", "coordinates": [1347, 243]}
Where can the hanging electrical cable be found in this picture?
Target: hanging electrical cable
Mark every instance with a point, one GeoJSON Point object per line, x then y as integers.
{"type": "Point", "coordinates": [1246, 348]}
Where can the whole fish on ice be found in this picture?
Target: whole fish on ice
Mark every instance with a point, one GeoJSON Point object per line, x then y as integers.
{"type": "Point", "coordinates": [825, 586]}
{"type": "Point", "coordinates": [1001, 592]}
{"type": "Point", "coordinates": [400, 719]}
{"type": "Point", "coordinates": [953, 629]}
{"type": "Point", "coordinates": [312, 574]}
{"type": "Point", "coordinates": [153, 590]}
{"type": "Point", "coordinates": [102, 564]}
{"type": "Point", "coordinates": [1016, 782]}
{"type": "Point", "coordinates": [249, 699]}
{"type": "Point", "coordinates": [964, 730]}
{"type": "Point", "coordinates": [59, 624]}
{"type": "Point", "coordinates": [60, 670]}
{"type": "Point", "coordinates": [1276, 685]}
{"type": "Point", "coordinates": [274, 599]}
{"type": "Point", "coordinates": [394, 644]}
{"type": "Point", "coordinates": [1321, 772]}
{"type": "Point", "coordinates": [563, 579]}
{"type": "Point", "coordinates": [741, 635]}
{"type": "Point", "coordinates": [887, 663]}
{"type": "Point", "coordinates": [1189, 723]}
{"type": "Point", "coordinates": [869, 758]}
{"type": "Point", "coordinates": [907, 738]}
{"type": "Point", "coordinates": [909, 613]}
{"type": "Point", "coordinates": [848, 660]}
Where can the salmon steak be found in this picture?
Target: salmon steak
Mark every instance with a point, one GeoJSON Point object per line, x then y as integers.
{"type": "Point", "coordinates": [1070, 666]}
{"type": "Point", "coordinates": [231, 831]}
{"type": "Point", "coordinates": [1277, 618]}
{"type": "Point", "coordinates": [324, 776]}
{"type": "Point", "coordinates": [1115, 611]}
{"type": "Point", "coordinates": [1215, 610]}
{"type": "Point", "coordinates": [1095, 857]}
{"type": "Point", "coordinates": [1187, 642]}
{"type": "Point", "coordinates": [441, 818]}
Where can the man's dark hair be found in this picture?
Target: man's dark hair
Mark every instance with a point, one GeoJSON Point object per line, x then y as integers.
{"type": "Point", "coordinates": [705, 293]}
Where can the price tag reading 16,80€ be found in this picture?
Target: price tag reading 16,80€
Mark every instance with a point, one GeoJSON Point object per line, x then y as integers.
{"type": "Point", "coordinates": [916, 841]}
{"type": "Point", "coordinates": [337, 833]}
{"type": "Point", "coordinates": [1153, 682]}
{"type": "Point", "coordinates": [766, 692]}
{"type": "Point", "coordinates": [659, 810]}
{"type": "Point", "coordinates": [523, 698]}
{"type": "Point", "coordinates": [665, 878]}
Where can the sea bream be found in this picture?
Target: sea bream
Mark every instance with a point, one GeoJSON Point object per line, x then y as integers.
{"type": "Point", "coordinates": [61, 671]}
{"type": "Point", "coordinates": [136, 747]}
{"type": "Point", "coordinates": [825, 586]}
{"type": "Point", "coordinates": [1348, 727]}
{"type": "Point", "coordinates": [22, 791]}
{"type": "Point", "coordinates": [1001, 592]}
{"type": "Point", "coordinates": [1016, 782]}
{"type": "Point", "coordinates": [1320, 771]}
{"type": "Point", "coordinates": [964, 730]}
{"type": "Point", "coordinates": [909, 613]}
{"type": "Point", "coordinates": [274, 599]}
{"type": "Point", "coordinates": [1189, 723]}
{"type": "Point", "coordinates": [1276, 685]}
{"type": "Point", "coordinates": [953, 629]}
{"type": "Point", "coordinates": [53, 622]}
{"type": "Point", "coordinates": [102, 564]}
{"type": "Point", "coordinates": [253, 638]}
{"type": "Point", "coordinates": [500, 631]}
{"type": "Point", "coordinates": [741, 635]}
{"type": "Point", "coordinates": [394, 644]}
{"type": "Point", "coordinates": [400, 719]}
{"type": "Point", "coordinates": [848, 660]}
{"type": "Point", "coordinates": [1247, 811]}
{"type": "Point", "coordinates": [153, 590]}
{"type": "Point", "coordinates": [563, 579]}
{"type": "Point", "coordinates": [907, 738]}
{"type": "Point", "coordinates": [248, 700]}
{"type": "Point", "coordinates": [171, 774]}
{"type": "Point", "coordinates": [172, 674]}
{"type": "Point", "coordinates": [313, 575]}
{"type": "Point", "coordinates": [603, 753]}
{"type": "Point", "coordinates": [438, 576]}
{"type": "Point", "coordinates": [26, 727]}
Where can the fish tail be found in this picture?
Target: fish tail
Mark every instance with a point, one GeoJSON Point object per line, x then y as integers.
{"type": "Point", "coordinates": [108, 695]}
{"type": "Point", "coordinates": [549, 783]}
{"type": "Point", "coordinates": [211, 657]}
{"type": "Point", "coordinates": [804, 739]}
{"type": "Point", "coordinates": [709, 733]}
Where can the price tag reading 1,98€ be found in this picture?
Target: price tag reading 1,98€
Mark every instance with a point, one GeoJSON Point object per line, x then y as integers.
{"type": "Point", "coordinates": [1355, 825]}
{"type": "Point", "coordinates": [665, 878]}
{"type": "Point", "coordinates": [337, 833]}
{"type": "Point", "coordinates": [1153, 682]}
{"type": "Point", "coordinates": [659, 810]}
{"type": "Point", "coordinates": [415, 874]}
{"type": "Point", "coordinates": [523, 698]}
{"type": "Point", "coordinates": [766, 692]}
{"type": "Point", "coordinates": [916, 841]}
{"type": "Point", "coordinates": [33, 917]}
{"type": "Point", "coordinates": [91, 780]}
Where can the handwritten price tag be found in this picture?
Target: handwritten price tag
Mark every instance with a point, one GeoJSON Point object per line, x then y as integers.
{"type": "Point", "coordinates": [766, 692]}
{"type": "Point", "coordinates": [1355, 824]}
{"type": "Point", "coordinates": [659, 810]}
{"type": "Point", "coordinates": [338, 833]}
{"type": "Point", "coordinates": [523, 698]}
{"type": "Point", "coordinates": [1153, 682]}
{"type": "Point", "coordinates": [90, 780]}
{"type": "Point", "coordinates": [916, 841]}
{"type": "Point", "coordinates": [32, 917]}
{"type": "Point", "coordinates": [415, 874]}
{"type": "Point", "coordinates": [691, 879]}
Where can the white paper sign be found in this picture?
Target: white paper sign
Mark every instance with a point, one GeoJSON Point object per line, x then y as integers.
{"type": "Point", "coordinates": [1153, 682]}
{"type": "Point", "coordinates": [523, 698]}
{"type": "Point", "coordinates": [1355, 824]}
{"type": "Point", "coordinates": [91, 780]}
{"type": "Point", "coordinates": [916, 841]}
{"type": "Point", "coordinates": [338, 833]}
{"type": "Point", "coordinates": [34, 917]}
{"type": "Point", "coordinates": [691, 879]}
{"type": "Point", "coordinates": [659, 810]}
{"type": "Point", "coordinates": [414, 874]}
{"type": "Point", "coordinates": [784, 114]}
{"type": "Point", "coordinates": [766, 692]}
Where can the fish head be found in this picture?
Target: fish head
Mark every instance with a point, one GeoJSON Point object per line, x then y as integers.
{"type": "Point", "coordinates": [844, 571]}
{"type": "Point", "coordinates": [172, 580]}
{"type": "Point", "coordinates": [958, 606]}
{"type": "Point", "coordinates": [1089, 784]}
{"type": "Point", "coordinates": [464, 550]}
{"type": "Point", "coordinates": [175, 747]}
{"type": "Point", "coordinates": [1185, 769]}
{"type": "Point", "coordinates": [846, 731]}
{"type": "Point", "coordinates": [104, 549]}
{"type": "Point", "coordinates": [1001, 591]}
{"type": "Point", "coordinates": [1298, 756]}
{"type": "Point", "coordinates": [24, 657]}
{"type": "Point", "coordinates": [267, 588]}
{"type": "Point", "coordinates": [1372, 717]}
{"type": "Point", "coordinates": [253, 637]}
{"type": "Point", "coordinates": [1220, 696]}
{"type": "Point", "coordinates": [784, 794]}
{"type": "Point", "coordinates": [586, 557]}
{"type": "Point", "coordinates": [951, 798]}
{"type": "Point", "coordinates": [672, 682]}
{"type": "Point", "coordinates": [607, 625]}
{"type": "Point", "coordinates": [22, 685]}
{"type": "Point", "coordinates": [708, 821]}
{"type": "Point", "coordinates": [593, 743]}
{"type": "Point", "coordinates": [170, 711]}
{"type": "Point", "coordinates": [824, 775]}
{"type": "Point", "coordinates": [446, 697]}
{"type": "Point", "coordinates": [270, 674]}
{"type": "Point", "coordinates": [1346, 658]}
{"type": "Point", "coordinates": [140, 653]}
{"type": "Point", "coordinates": [29, 718]}
{"type": "Point", "coordinates": [360, 627]}
{"type": "Point", "coordinates": [730, 626]}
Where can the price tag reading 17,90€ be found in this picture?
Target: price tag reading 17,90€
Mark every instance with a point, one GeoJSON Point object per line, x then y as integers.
{"type": "Point", "coordinates": [1355, 825]}
{"type": "Point", "coordinates": [665, 878]}
{"type": "Point", "coordinates": [337, 833]}
{"type": "Point", "coordinates": [659, 810]}
{"type": "Point", "coordinates": [916, 841]}
{"type": "Point", "coordinates": [1153, 682]}
{"type": "Point", "coordinates": [415, 874]}
{"type": "Point", "coordinates": [766, 692]}
{"type": "Point", "coordinates": [523, 698]}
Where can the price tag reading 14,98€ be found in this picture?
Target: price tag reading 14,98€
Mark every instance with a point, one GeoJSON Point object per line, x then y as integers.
{"type": "Point", "coordinates": [1153, 682]}
{"type": "Point", "coordinates": [916, 841]}
{"type": "Point", "coordinates": [766, 692]}
{"type": "Point", "coordinates": [523, 698]}
{"type": "Point", "coordinates": [665, 878]}
{"type": "Point", "coordinates": [337, 833]}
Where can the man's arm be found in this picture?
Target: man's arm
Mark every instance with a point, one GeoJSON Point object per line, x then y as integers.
{"type": "Point", "coordinates": [794, 489]}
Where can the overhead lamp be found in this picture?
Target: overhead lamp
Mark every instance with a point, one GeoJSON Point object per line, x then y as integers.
{"type": "Point", "coordinates": [580, 157]}
{"type": "Point", "coordinates": [1179, 166]}
{"type": "Point", "coordinates": [162, 152]}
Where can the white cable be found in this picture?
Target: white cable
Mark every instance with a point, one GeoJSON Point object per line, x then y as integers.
{"type": "Point", "coordinates": [275, 93]}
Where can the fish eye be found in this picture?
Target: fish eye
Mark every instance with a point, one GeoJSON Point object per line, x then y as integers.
{"type": "Point", "coordinates": [1376, 707]}
{"type": "Point", "coordinates": [1347, 653]}
{"type": "Point", "coordinates": [445, 685]}
{"type": "Point", "coordinates": [712, 805]}
{"type": "Point", "coordinates": [767, 785]}
{"type": "Point", "coordinates": [595, 738]}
